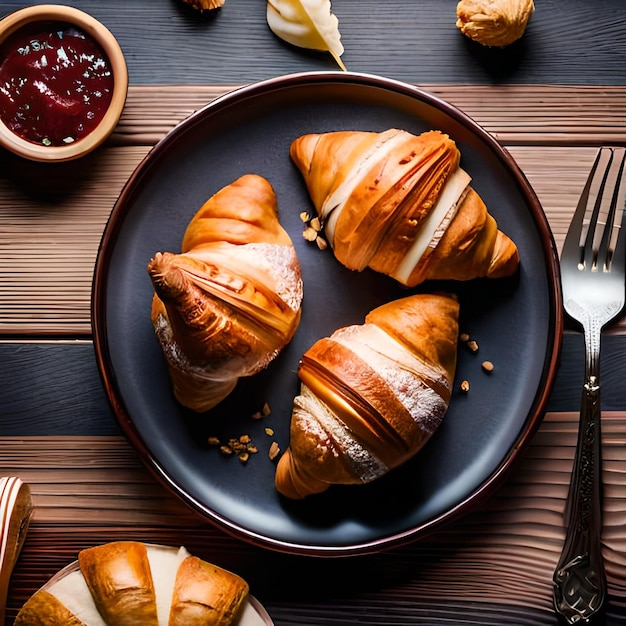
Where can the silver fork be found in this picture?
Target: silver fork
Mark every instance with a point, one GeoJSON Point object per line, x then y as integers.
{"type": "Point", "coordinates": [593, 268]}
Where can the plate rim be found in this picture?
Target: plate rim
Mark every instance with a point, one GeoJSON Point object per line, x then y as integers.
{"type": "Point", "coordinates": [555, 332]}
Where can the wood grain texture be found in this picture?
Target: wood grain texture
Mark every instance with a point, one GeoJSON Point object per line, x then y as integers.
{"type": "Point", "coordinates": [52, 217]}
{"type": "Point", "coordinates": [550, 99]}
{"type": "Point", "coordinates": [90, 490]}
{"type": "Point", "coordinates": [54, 388]}
{"type": "Point", "coordinates": [411, 40]}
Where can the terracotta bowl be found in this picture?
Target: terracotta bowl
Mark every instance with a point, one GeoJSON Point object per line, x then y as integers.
{"type": "Point", "coordinates": [27, 21]}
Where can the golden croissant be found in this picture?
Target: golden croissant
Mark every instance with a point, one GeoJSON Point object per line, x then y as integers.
{"type": "Point", "coordinates": [371, 395]}
{"type": "Point", "coordinates": [401, 205]}
{"type": "Point", "coordinates": [227, 305]}
{"type": "Point", "coordinates": [129, 582]}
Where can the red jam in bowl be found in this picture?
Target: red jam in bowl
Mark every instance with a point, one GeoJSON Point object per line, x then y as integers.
{"type": "Point", "coordinates": [55, 84]}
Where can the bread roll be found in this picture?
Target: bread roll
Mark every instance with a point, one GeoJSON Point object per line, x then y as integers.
{"type": "Point", "coordinates": [129, 583]}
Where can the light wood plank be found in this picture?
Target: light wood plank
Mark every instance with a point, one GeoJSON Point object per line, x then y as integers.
{"type": "Point", "coordinates": [93, 489]}
{"type": "Point", "coordinates": [48, 244]}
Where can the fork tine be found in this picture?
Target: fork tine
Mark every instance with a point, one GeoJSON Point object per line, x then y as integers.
{"type": "Point", "coordinates": [593, 235]}
{"type": "Point", "coordinates": [576, 237]}
{"type": "Point", "coordinates": [616, 247]}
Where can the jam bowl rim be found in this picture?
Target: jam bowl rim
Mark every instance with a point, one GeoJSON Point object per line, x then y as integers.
{"type": "Point", "coordinates": [91, 27]}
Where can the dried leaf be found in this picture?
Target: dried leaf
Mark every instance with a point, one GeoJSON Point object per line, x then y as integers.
{"type": "Point", "coordinates": [307, 24]}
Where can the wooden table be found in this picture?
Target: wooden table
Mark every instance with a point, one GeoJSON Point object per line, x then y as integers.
{"type": "Point", "coordinates": [550, 100]}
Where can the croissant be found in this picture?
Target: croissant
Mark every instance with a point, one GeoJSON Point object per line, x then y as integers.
{"type": "Point", "coordinates": [401, 205]}
{"type": "Point", "coordinates": [227, 305]}
{"type": "Point", "coordinates": [371, 395]}
{"type": "Point", "coordinates": [129, 583]}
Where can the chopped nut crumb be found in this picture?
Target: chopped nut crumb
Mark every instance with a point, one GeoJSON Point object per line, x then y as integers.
{"type": "Point", "coordinates": [464, 337]}
{"type": "Point", "coordinates": [487, 366]}
{"type": "Point", "coordinates": [465, 386]}
{"type": "Point", "coordinates": [313, 228]}
{"type": "Point", "coordinates": [269, 431]}
{"type": "Point", "coordinates": [322, 244]}
{"type": "Point", "coordinates": [310, 234]}
{"type": "Point", "coordinates": [242, 445]}
{"type": "Point", "coordinates": [472, 345]}
{"type": "Point", "coordinates": [274, 450]}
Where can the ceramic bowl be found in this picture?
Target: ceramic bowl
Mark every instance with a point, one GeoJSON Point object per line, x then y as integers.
{"type": "Point", "coordinates": [18, 27]}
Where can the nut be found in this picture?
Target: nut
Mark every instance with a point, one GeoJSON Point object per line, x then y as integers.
{"type": "Point", "coordinates": [495, 23]}
{"type": "Point", "coordinates": [472, 345]}
{"type": "Point", "coordinates": [274, 450]}
{"type": "Point", "coordinates": [465, 386]}
{"type": "Point", "coordinates": [205, 5]}
{"type": "Point", "coordinates": [487, 366]}
{"type": "Point", "coordinates": [309, 233]}
{"type": "Point", "coordinates": [264, 412]}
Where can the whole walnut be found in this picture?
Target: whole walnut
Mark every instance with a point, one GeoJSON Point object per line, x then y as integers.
{"type": "Point", "coordinates": [205, 5]}
{"type": "Point", "coordinates": [495, 23]}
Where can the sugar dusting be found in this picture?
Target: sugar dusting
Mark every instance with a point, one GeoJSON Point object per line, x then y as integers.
{"type": "Point", "coordinates": [402, 371]}
{"type": "Point", "coordinates": [282, 264]}
{"type": "Point", "coordinates": [332, 435]}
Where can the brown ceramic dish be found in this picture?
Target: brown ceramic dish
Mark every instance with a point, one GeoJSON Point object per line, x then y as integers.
{"type": "Point", "coordinates": [33, 21]}
{"type": "Point", "coordinates": [518, 322]}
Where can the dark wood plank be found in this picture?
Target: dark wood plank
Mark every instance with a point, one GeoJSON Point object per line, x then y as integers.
{"type": "Point", "coordinates": [412, 40]}
{"type": "Point", "coordinates": [568, 386]}
{"type": "Point", "coordinates": [52, 388]}
{"type": "Point", "coordinates": [55, 388]}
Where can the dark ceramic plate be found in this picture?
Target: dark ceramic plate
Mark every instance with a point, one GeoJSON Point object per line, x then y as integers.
{"type": "Point", "coordinates": [517, 322]}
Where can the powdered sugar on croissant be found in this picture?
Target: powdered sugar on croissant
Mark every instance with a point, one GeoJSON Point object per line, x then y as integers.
{"type": "Point", "coordinates": [401, 205]}
{"type": "Point", "coordinates": [371, 395]}
{"type": "Point", "coordinates": [227, 305]}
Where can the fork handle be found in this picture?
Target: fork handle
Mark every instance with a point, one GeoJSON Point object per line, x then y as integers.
{"type": "Point", "coordinates": [579, 578]}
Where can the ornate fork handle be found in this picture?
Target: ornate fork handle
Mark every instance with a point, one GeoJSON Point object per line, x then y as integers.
{"type": "Point", "coordinates": [579, 578]}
